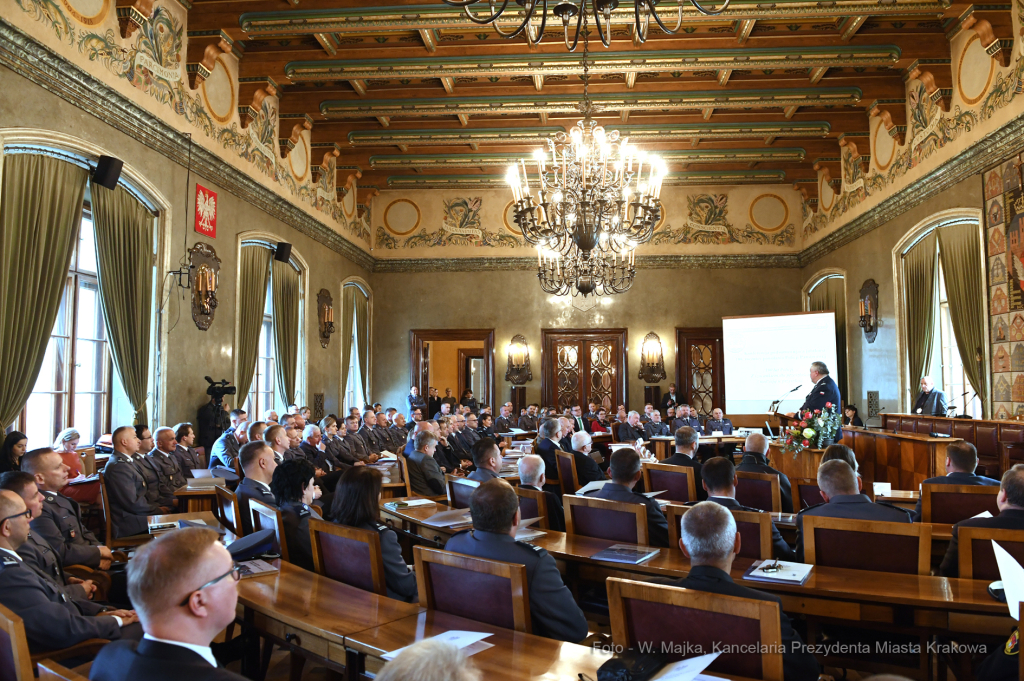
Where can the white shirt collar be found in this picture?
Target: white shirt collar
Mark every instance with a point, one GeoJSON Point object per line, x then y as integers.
{"type": "Point", "coordinates": [262, 484]}
{"type": "Point", "coordinates": [13, 553]}
{"type": "Point", "coordinates": [203, 651]}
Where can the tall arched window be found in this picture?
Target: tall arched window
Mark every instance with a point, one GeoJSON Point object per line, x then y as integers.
{"type": "Point", "coordinates": [826, 290]}
{"type": "Point", "coordinates": [355, 351]}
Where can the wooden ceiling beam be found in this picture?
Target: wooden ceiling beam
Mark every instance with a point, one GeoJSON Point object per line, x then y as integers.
{"type": "Point", "coordinates": [429, 38]}
{"type": "Point", "coordinates": [850, 26]}
{"type": "Point", "coordinates": [743, 29]}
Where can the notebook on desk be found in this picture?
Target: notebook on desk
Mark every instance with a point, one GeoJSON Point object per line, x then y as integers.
{"type": "Point", "coordinates": [786, 572]}
{"type": "Point", "coordinates": [626, 553]}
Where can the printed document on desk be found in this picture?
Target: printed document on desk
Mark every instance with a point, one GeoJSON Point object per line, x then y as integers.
{"type": "Point", "coordinates": [469, 642]}
{"type": "Point", "coordinates": [788, 573]}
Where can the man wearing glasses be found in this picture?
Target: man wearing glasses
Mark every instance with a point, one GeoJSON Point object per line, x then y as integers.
{"type": "Point", "coordinates": [183, 585]}
{"type": "Point", "coordinates": [52, 621]}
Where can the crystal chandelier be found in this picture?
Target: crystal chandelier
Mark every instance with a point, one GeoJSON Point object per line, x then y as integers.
{"type": "Point", "coordinates": [593, 199]}
{"type": "Point", "coordinates": [533, 17]}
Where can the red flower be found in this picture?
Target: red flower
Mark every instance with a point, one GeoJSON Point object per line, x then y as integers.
{"type": "Point", "coordinates": [789, 440]}
{"type": "Point", "coordinates": [828, 405]}
{"type": "Point", "coordinates": [807, 443]}
{"type": "Point", "coordinates": [803, 424]}
{"type": "Point", "coordinates": [817, 411]}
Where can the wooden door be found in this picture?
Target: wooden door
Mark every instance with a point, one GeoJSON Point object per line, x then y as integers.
{"type": "Point", "coordinates": [700, 373]}
{"type": "Point", "coordinates": [579, 365]}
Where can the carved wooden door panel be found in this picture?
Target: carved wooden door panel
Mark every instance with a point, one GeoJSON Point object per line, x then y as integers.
{"type": "Point", "coordinates": [700, 374]}
{"type": "Point", "coordinates": [582, 365]}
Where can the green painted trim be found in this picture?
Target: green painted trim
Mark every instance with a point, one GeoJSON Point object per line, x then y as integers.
{"type": "Point", "coordinates": [673, 179]}
{"type": "Point", "coordinates": [783, 154]}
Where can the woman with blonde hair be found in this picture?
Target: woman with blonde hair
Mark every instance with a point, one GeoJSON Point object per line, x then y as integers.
{"type": "Point", "coordinates": [66, 444]}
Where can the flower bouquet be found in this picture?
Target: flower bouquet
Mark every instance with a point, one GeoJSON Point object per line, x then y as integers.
{"type": "Point", "coordinates": [815, 429]}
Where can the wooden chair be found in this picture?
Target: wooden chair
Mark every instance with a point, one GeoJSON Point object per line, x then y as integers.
{"type": "Point", "coordinates": [532, 504]}
{"type": "Point", "coordinates": [238, 468]}
{"type": "Point", "coordinates": [654, 614]}
{"type": "Point", "coordinates": [88, 456]}
{"type": "Point", "coordinates": [976, 557]}
{"type": "Point", "coordinates": [403, 466]}
{"type": "Point", "coordinates": [754, 528]}
{"type": "Point", "coordinates": [52, 671]}
{"type": "Point", "coordinates": [806, 493]}
{"type": "Point", "coordinates": [348, 555]}
{"type": "Point", "coordinates": [483, 590]}
{"type": "Point", "coordinates": [678, 481]}
{"type": "Point", "coordinates": [904, 548]}
{"type": "Point", "coordinates": [759, 490]}
{"type": "Point", "coordinates": [265, 517]}
{"type": "Point", "coordinates": [108, 519]}
{"type": "Point", "coordinates": [604, 519]}
{"type": "Point", "coordinates": [459, 490]}
{"type": "Point", "coordinates": [228, 512]}
{"type": "Point", "coordinates": [568, 478]}
{"type": "Point", "coordinates": [17, 664]}
{"type": "Point", "coordinates": [953, 503]}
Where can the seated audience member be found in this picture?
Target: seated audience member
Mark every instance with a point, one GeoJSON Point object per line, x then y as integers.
{"type": "Point", "coordinates": [225, 449]}
{"type": "Point", "coordinates": [383, 432]}
{"type": "Point", "coordinates": [708, 537]}
{"type": "Point", "coordinates": [60, 522]}
{"type": "Point", "coordinates": [494, 507]}
{"type": "Point", "coordinates": [1002, 664]}
{"type": "Point", "coordinates": [183, 587]}
{"type": "Point", "coordinates": [277, 439]}
{"type": "Point", "coordinates": [1011, 517]}
{"type": "Point", "coordinates": [655, 427]}
{"type": "Point", "coordinates": [130, 506]}
{"type": "Point", "coordinates": [687, 444]}
{"type": "Point", "coordinates": [632, 430]}
{"type": "Point", "coordinates": [528, 422]}
{"type": "Point", "coordinates": [591, 411]}
{"type": "Point", "coordinates": [448, 453]}
{"type": "Point", "coordinates": [578, 422]}
{"type": "Point", "coordinates": [648, 411]}
{"type": "Point", "coordinates": [258, 463]}
{"type": "Point", "coordinates": [398, 433]}
{"type": "Point", "coordinates": [486, 427]}
{"type": "Point", "coordinates": [13, 449]}
{"type": "Point", "coordinates": [444, 411]}
{"type": "Point", "coordinates": [850, 416]}
{"type": "Point", "coordinates": [684, 418]}
{"type": "Point", "coordinates": [547, 444]}
{"type": "Point", "coordinates": [294, 489]}
{"type": "Point", "coordinates": [255, 431]}
{"type": "Point", "coordinates": [624, 471]}
{"type": "Point", "coordinates": [430, 660]}
{"type": "Point", "coordinates": [357, 504]}
{"type": "Point", "coordinates": [719, 481]}
{"type": "Point", "coordinates": [505, 423]}
{"type": "Point", "coordinates": [156, 488]}
{"type": "Point", "coordinates": [270, 416]}
{"type": "Point", "coordinates": [328, 468]}
{"type": "Point", "coordinates": [843, 453]}
{"type": "Point", "coordinates": [587, 469]}
{"type": "Point", "coordinates": [52, 620]}
{"type": "Point", "coordinates": [487, 459]}
{"type": "Point", "coordinates": [755, 450]}
{"type": "Point", "coordinates": [420, 427]}
{"type": "Point", "coordinates": [621, 415]}
{"type": "Point", "coordinates": [600, 423]}
{"type": "Point", "coordinates": [162, 460]}
{"type": "Point", "coordinates": [839, 489]}
{"type": "Point", "coordinates": [961, 460]}
{"type": "Point", "coordinates": [425, 476]}
{"type": "Point", "coordinates": [469, 429]}
{"type": "Point", "coordinates": [66, 444]}
{"type": "Point", "coordinates": [366, 432]}
{"type": "Point", "coordinates": [718, 423]}
{"type": "Point", "coordinates": [565, 431]}
{"type": "Point", "coordinates": [353, 448]}
{"type": "Point", "coordinates": [670, 415]}
{"type": "Point", "coordinates": [531, 476]}
{"type": "Point", "coordinates": [188, 458]}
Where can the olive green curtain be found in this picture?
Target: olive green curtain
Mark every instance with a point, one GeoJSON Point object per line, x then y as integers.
{"type": "Point", "coordinates": [253, 270]}
{"type": "Point", "coordinates": [124, 253]}
{"type": "Point", "coordinates": [347, 315]}
{"type": "Point", "coordinates": [920, 281]}
{"type": "Point", "coordinates": [960, 254]}
{"type": "Point", "coordinates": [361, 305]}
{"type": "Point", "coordinates": [286, 302]}
{"type": "Point", "coordinates": [41, 201]}
{"type": "Point", "coordinates": [830, 294]}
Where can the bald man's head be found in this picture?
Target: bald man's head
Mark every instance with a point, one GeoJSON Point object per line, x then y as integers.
{"type": "Point", "coordinates": [756, 442]}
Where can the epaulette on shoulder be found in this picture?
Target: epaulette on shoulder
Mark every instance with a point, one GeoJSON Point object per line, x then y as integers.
{"type": "Point", "coordinates": [9, 560]}
{"type": "Point", "coordinates": [382, 527]}
{"type": "Point", "coordinates": [537, 549]}
{"type": "Point", "coordinates": [885, 503]}
{"type": "Point", "coordinates": [749, 509]}
{"type": "Point", "coordinates": [810, 507]}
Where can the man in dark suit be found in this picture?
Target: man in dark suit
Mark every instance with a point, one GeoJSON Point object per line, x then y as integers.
{"type": "Point", "coordinates": [687, 443]}
{"type": "Point", "coordinates": [184, 588]}
{"type": "Point", "coordinates": [839, 489]}
{"type": "Point", "coordinates": [565, 425]}
{"type": "Point", "coordinates": [1011, 517]}
{"type": "Point", "coordinates": [720, 480]}
{"type": "Point", "coordinates": [755, 460]}
{"type": "Point", "coordinates": [709, 538]}
{"type": "Point", "coordinates": [632, 430]}
{"type": "Point", "coordinates": [824, 395]}
{"type": "Point", "coordinates": [624, 470]}
{"type": "Point", "coordinates": [961, 461]}
{"type": "Point", "coordinates": [578, 422]}
{"type": "Point", "coordinates": [930, 401]}
{"type": "Point", "coordinates": [670, 399]}
{"type": "Point", "coordinates": [425, 477]}
{"type": "Point", "coordinates": [587, 469]}
{"type": "Point", "coordinates": [258, 463]}
{"type": "Point", "coordinates": [531, 476]}
{"type": "Point", "coordinates": [328, 468]}
{"type": "Point", "coordinates": [547, 444]}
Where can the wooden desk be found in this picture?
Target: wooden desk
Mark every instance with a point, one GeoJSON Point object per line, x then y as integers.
{"type": "Point", "coordinates": [509, 438]}
{"type": "Point", "coordinates": [663, 446]}
{"type": "Point", "coordinates": [900, 497]}
{"type": "Point", "coordinates": [196, 500]}
{"type": "Point", "coordinates": [904, 459]}
{"type": "Point", "coordinates": [206, 516]}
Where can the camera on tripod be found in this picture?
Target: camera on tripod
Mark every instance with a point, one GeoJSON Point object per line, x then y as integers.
{"type": "Point", "coordinates": [218, 389]}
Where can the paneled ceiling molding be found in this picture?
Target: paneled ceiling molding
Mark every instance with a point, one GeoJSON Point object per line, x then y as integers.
{"type": "Point", "coordinates": [385, 121]}
{"type": "Point", "coordinates": [961, 23]}
{"type": "Point", "coordinates": [567, 64]}
{"type": "Point", "coordinates": [327, 42]}
{"type": "Point", "coordinates": [359, 86]}
{"type": "Point", "coordinates": [448, 83]}
{"type": "Point", "coordinates": [743, 29]}
{"type": "Point", "coordinates": [851, 24]}
{"type": "Point", "coordinates": [202, 52]}
{"type": "Point", "coordinates": [645, 102]}
{"type": "Point", "coordinates": [817, 74]}
{"type": "Point", "coordinates": [427, 35]}
{"type": "Point", "coordinates": [704, 155]}
{"type": "Point", "coordinates": [132, 14]}
{"type": "Point", "coordinates": [688, 178]}
{"type": "Point", "coordinates": [538, 81]}
{"type": "Point", "coordinates": [723, 76]}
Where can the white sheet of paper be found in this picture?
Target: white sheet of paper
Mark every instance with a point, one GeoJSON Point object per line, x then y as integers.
{"type": "Point", "coordinates": [686, 670]}
{"type": "Point", "coordinates": [516, 431]}
{"type": "Point", "coordinates": [882, 488]}
{"type": "Point", "coordinates": [526, 523]}
{"type": "Point", "coordinates": [459, 639]}
{"type": "Point", "coordinates": [1012, 575]}
{"type": "Point", "coordinates": [651, 495]}
{"type": "Point", "coordinates": [717, 433]}
{"type": "Point", "coordinates": [418, 502]}
{"type": "Point", "coordinates": [983, 514]}
{"type": "Point", "coordinates": [591, 486]}
{"type": "Point", "coordinates": [202, 473]}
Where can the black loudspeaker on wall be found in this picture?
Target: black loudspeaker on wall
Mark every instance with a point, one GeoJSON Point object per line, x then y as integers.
{"type": "Point", "coordinates": [283, 252]}
{"type": "Point", "coordinates": [108, 171]}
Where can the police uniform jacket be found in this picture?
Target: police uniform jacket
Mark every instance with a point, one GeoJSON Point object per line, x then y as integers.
{"type": "Point", "coordinates": [353, 447]}
{"type": "Point", "coordinates": [825, 391]}
{"type": "Point", "coordinates": [52, 619]}
{"type": "Point", "coordinates": [251, 489]}
{"type": "Point", "coordinates": [295, 517]}
{"type": "Point", "coordinates": [689, 421]}
{"type": "Point", "coordinates": [528, 422]}
{"type": "Point", "coordinates": [954, 478]}
{"type": "Point", "coordinates": [425, 475]}
{"type": "Point", "coordinates": [628, 433]}
{"type": "Point", "coordinates": [482, 475]}
{"type": "Point", "coordinates": [293, 453]}
{"type": "Point", "coordinates": [651, 429]}
{"type": "Point", "coordinates": [401, 581]}
{"type": "Point", "coordinates": [853, 506]}
{"type": "Point", "coordinates": [60, 524]}
{"type": "Point", "coordinates": [553, 611]}
{"type": "Point", "coordinates": [369, 441]}
{"type": "Point", "coordinates": [680, 459]}
{"type": "Point", "coordinates": [713, 425]}
{"type": "Point", "coordinates": [154, 661]}
{"type": "Point", "coordinates": [171, 477]}
{"type": "Point", "coordinates": [188, 460]}
{"type": "Point", "coordinates": [470, 436]}
{"type": "Point", "coordinates": [780, 549]}
{"type": "Point", "coordinates": [504, 425]}
{"type": "Point", "coordinates": [415, 403]}
{"type": "Point", "coordinates": [657, 525]}
{"type": "Point", "coordinates": [798, 664]}
{"type": "Point", "coordinates": [37, 553]}
{"type": "Point", "coordinates": [1008, 519]}
{"type": "Point", "coordinates": [154, 491]}
{"type": "Point", "coordinates": [129, 503]}
{"type": "Point", "coordinates": [225, 450]}
{"type": "Point", "coordinates": [398, 437]}
{"type": "Point", "coordinates": [1003, 663]}
{"type": "Point", "coordinates": [755, 462]}
{"type": "Point", "coordinates": [554, 510]}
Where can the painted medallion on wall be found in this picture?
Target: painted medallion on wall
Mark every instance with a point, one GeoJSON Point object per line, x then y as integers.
{"type": "Point", "coordinates": [461, 225]}
{"type": "Point", "coordinates": [88, 12]}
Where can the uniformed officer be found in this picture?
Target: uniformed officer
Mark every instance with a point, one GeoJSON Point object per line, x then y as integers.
{"type": "Point", "coordinates": [126, 487]}
{"type": "Point", "coordinates": [353, 447]}
{"type": "Point", "coordinates": [504, 423]}
{"type": "Point", "coordinates": [718, 423]}
{"type": "Point", "coordinates": [839, 489]}
{"type": "Point", "coordinates": [684, 417]}
{"type": "Point", "coordinates": [624, 470]}
{"type": "Point", "coordinates": [656, 427]}
{"type": "Point", "coordinates": [398, 434]}
{"type": "Point", "coordinates": [294, 488]}
{"type": "Point", "coordinates": [161, 460]}
{"type": "Point", "coordinates": [487, 459]}
{"type": "Point", "coordinates": [258, 464]}
{"type": "Point", "coordinates": [225, 449]}
{"type": "Point", "coordinates": [494, 507]}
{"type": "Point", "coordinates": [52, 620]}
{"type": "Point", "coordinates": [60, 522]}
{"type": "Point", "coordinates": [425, 476]}
{"type": "Point", "coordinates": [188, 458]}
{"type": "Point", "coordinates": [528, 421]}
{"type": "Point", "coordinates": [365, 432]}
{"type": "Point", "coordinates": [823, 395]}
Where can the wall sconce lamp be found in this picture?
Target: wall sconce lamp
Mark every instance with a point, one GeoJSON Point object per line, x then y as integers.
{"type": "Point", "coordinates": [203, 272]}
{"type": "Point", "coordinates": [518, 371]}
{"type": "Point", "coordinates": [868, 301]}
{"type": "Point", "coordinates": [325, 315]}
{"type": "Point", "coordinates": [652, 359]}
